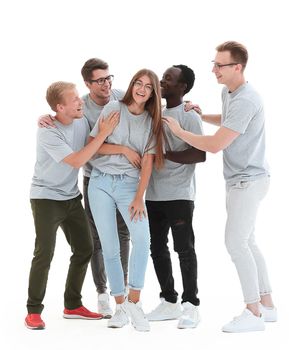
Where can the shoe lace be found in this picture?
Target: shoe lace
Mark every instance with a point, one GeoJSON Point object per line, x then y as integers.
{"type": "Point", "coordinates": [237, 319]}
{"type": "Point", "coordinates": [138, 311]}
{"type": "Point", "coordinates": [119, 313]}
{"type": "Point", "coordinates": [160, 307]}
{"type": "Point", "coordinates": [103, 303]}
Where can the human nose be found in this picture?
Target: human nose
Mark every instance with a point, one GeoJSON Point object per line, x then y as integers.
{"type": "Point", "coordinates": [107, 81]}
{"type": "Point", "coordinates": [142, 87]}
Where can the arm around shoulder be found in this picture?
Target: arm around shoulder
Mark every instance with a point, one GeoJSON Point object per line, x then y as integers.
{"type": "Point", "coordinates": [191, 155]}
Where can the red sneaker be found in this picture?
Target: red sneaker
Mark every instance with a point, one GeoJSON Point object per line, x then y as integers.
{"type": "Point", "coordinates": [34, 321]}
{"type": "Point", "coordinates": [83, 313]}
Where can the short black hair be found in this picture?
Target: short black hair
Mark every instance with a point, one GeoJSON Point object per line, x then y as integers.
{"type": "Point", "coordinates": [187, 76]}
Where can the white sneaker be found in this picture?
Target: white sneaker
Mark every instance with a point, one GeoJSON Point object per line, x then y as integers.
{"type": "Point", "coordinates": [103, 305]}
{"type": "Point", "coordinates": [165, 311]}
{"type": "Point", "coordinates": [246, 322]}
{"type": "Point", "coordinates": [190, 317]}
{"type": "Point", "coordinates": [120, 317]}
{"type": "Point", "coordinates": [138, 318]}
{"type": "Point", "coordinates": [269, 313]}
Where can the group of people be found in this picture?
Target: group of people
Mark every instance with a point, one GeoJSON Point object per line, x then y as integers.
{"type": "Point", "coordinates": [130, 149]}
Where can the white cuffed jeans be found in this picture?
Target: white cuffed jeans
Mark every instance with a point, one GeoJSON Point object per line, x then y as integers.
{"type": "Point", "coordinates": [242, 202]}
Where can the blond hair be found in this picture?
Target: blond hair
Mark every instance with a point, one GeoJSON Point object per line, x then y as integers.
{"type": "Point", "coordinates": [55, 92]}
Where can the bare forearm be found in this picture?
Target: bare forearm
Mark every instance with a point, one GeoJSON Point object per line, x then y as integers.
{"type": "Point", "coordinates": [146, 170]}
{"type": "Point", "coordinates": [78, 159]}
{"type": "Point", "coordinates": [188, 156]}
{"type": "Point", "coordinates": [107, 149]}
{"type": "Point", "coordinates": [201, 142]}
{"type": "Point", "coordinates": [214, 119]}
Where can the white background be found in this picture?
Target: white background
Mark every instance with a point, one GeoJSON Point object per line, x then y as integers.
{"type": "Point", "coordinates": [45, 41]}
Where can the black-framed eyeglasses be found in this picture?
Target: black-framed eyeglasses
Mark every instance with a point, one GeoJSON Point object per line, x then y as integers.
{"type": "Point", "coordinates": [218, 65]}
{"type": "Point", "coordinates": [101, 81]}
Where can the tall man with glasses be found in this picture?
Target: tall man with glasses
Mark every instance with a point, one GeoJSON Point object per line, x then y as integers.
{"type": "Point", "coordinates": [241, 136]}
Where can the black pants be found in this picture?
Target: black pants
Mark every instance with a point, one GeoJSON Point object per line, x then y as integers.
{"type": "Point", "coordinates": [48, 216]}
{"type": "Point", "coordinates": [178, 216]}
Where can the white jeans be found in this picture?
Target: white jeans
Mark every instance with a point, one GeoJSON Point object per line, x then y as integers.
{"type": "Point", "coordinates": [242, 202]}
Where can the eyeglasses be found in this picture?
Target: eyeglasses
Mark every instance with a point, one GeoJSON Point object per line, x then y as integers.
{"type": "Point", "coordinates": [219, 66]}
{"type": "Point", "coordinates": [101, 81]}
{"type": "Point", "coordinates": [139, 84]}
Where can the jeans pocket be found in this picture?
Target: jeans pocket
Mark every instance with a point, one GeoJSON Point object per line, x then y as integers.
{"type": "Point", "coordinates": [130, 180]}
{"type": "Point", "coordinates": [95, 174]}
{"type": "Point", "coordinates": [243, 184]}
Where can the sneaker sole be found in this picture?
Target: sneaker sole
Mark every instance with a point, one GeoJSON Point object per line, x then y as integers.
{"type": "Point", "coordinates": [34, 328]}
{"type": "Point", "coordinates": [141, 329]}
{"type": "Point", "coordinates": [78, 317]}
{"type": "Point", "coordinates": [168, 318]}
{"type": "Point", "coordinates": [107, 317]}
{"type": "Point", "coordinates": [117, 325]}
{"type": "Point", "coordinates": [244, 330]}
{"type": "Point", "coordinates": [270, 319]}
{"type": "Point", "coordinates": [195, 325]}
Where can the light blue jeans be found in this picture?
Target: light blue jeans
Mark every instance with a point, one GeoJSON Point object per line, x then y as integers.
{"type": "Point", "coordinates": [243, 201]}
{"type": "Point", "coordinates": [106, 193]}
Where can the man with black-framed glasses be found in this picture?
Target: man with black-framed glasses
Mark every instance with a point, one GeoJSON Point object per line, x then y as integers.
{"type": "Point", "coordinates": [241, 136]}
{"type": "Point", "coordinates": [96, 76]}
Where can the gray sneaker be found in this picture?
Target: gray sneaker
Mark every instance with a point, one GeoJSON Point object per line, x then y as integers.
{"type": "Point", "coordinates": [103, 305]}
{"type": "Point", "coordinates": [137, 316]}
{"type": "Point", "coordinates": [165, 311]}
{"type": "Point", "coordinates": [190, 317]}
{"type": "Point", "coordinates": [120, 317]}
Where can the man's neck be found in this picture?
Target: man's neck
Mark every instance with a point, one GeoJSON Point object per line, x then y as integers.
{"type": "Point", "coordinates": [63, 119]}
{"type": "Point", "coordinates": [174, 101]}
{"type": "Point", "coordinates": [234, 85]}
{"type": "Point", "coordinates": [99, 100]}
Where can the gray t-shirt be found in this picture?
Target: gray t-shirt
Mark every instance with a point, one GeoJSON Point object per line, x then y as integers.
{"type": "Point", "coordinates": [92, 112]}
{"type": "Point", "coordinates": [54, 179]}
{"type": "Point", "coordinates": [175, 181]}
{"type": "Point", "coordinates": [243, 112]}
{"type": "Point", "coordinates": [133, 131]}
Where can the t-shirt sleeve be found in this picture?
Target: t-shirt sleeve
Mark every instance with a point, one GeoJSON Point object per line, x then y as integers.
{"type": "Point", "coordinates": [192, 122]}
{"type": "Point", "coordinates": [54, 144]}
{"type": "Point", "coordinates": [107, 109]}
{"type": "Point", "coordinates": [240, 113]}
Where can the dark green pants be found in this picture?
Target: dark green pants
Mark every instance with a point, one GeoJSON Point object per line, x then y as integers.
{"type": "Point", "coordinates": [49, 215]}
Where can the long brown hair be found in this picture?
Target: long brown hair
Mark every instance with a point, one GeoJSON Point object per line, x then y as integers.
{"type": "Point", "coordinates": [153, 106]}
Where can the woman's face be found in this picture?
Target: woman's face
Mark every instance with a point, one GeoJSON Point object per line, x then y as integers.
{"type": "Point", "coordinates": [142, 89]}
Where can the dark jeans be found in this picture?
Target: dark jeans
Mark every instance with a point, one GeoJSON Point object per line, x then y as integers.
{"type": "Point", "coordinates": [97, 264]}
{"type": "Point", "coordinates": [178, 216]}
{"type": "Point", "coordinates": [48, 216]}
